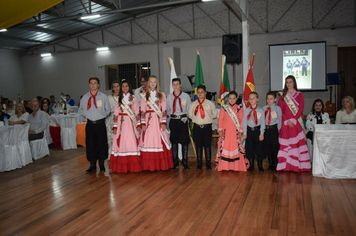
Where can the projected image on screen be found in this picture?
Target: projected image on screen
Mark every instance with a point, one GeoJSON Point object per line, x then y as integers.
{"type": "Point", "coordinates": [298, 64]}
{"type": "Point", "coordinates": [305, 61]}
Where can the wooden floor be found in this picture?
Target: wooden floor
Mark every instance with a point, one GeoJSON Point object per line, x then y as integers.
{"type": "Point", "coordinates": [63, 200]}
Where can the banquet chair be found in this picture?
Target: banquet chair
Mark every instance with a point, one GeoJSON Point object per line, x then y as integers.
{"type": "Point", "coordinates": [24, 146]}
{"type": "Point", "coordinates": [39, 148]}
{"type": "Point", "coordinates": [48, 135]}
{"type": "Point", "coordinates": [68, 132]}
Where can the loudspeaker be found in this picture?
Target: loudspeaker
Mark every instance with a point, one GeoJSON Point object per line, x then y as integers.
{"type": "Point", "coordinates": [232, 48]}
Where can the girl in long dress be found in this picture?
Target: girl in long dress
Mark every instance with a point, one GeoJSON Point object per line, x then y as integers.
{"type": "Point", "coordinates": [154, 142]}
{"type": "Point", "coordinates": [293, 152]}
{"type": "Point", "coordinates": [125, 155]}
{"type": "Point", "coordinates": [115, 88]}
{"type": "Point", "coordinates": [230, 154]}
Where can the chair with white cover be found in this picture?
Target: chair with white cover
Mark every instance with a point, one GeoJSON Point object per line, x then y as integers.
{"type": "Point", "coordinates": [39, 147]}
{"type": "Point", "coordinates": [14, 147]}
{"type": "Point", "coordinates": [68, 126]}
{"type": "Point", "coordinates": [48, 135]}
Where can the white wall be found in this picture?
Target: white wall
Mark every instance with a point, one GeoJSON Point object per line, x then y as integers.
{"type": "Point", "coordinates": [11, 75]}
{"type": "Point", "coordinates": [69, 72]}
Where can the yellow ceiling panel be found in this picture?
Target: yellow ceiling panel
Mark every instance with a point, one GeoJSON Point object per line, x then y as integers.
{"type": "Point", "coordinates": [13, 12]}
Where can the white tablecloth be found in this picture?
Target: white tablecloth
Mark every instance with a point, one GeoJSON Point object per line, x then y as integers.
{"type": "Point", "coordinates": [14, 147]}
{"type": "Point", "coordinates": [56, 118]}
{"type": "Point", "coordinates": [334, 151]}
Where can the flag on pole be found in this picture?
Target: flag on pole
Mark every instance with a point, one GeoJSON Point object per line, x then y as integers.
{"type": "Point", "coordinates": [199, 78]}
{"type": "Point", "coordinates": [224, 84]}
{"type": "Point", "coordinates": [173, 73]}
{"type": "Point", "coordinates": [250, 83]}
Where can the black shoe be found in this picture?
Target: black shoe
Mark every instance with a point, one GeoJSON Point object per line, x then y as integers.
{"type": "Point", "coordinates": [270, 161]}
{"type": "Point", "coordinates": [208, 158]}
{"type": "Point", "coordinates": [260, 167]}
{"type": "Point", "coordinates": [185, 156]}
{"type": "Point", "coordinates": [175, 155]}
{"type": "Point", "coordinates": [199, 158]}
{"type": "Point", "coordinates": [92, 167]}
{"type": "Point", "coordinates": [252, 165]}
{"type": "Point", "coordinates": [101, 165]}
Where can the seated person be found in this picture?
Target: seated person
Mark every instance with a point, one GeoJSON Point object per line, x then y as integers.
{"type": "Point", "coordinates": [38, 121]}
{"type": "Point", "coordinates": [53, 101]}
{"type": "Point", "coordinates": [9, 105]}
{"type": "Point", "coordinates": [20, 116]}
{"type": "Point", "coordinates": [347, 114]}
{"type": "Point", "coordinates": [69, 101]}
{"type": "Point", "coordinates": [3, 115]}
{"type": "Point", "coordinates": [28, 106]}
{"type": "Point", "coordinates": [46, 108]}
{"type": "Point", "coordinates": [316, 116]}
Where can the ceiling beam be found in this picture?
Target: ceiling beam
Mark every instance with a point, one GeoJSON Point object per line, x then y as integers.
{"type": "Point", "coordinates": [43, 30]}
{"type": "Point", "coordinates": [239, 8]}
{"type": "Point", "coordinates": [22, 39]}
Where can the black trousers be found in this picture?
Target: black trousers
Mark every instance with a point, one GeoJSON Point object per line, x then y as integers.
{"type": "Point", "coordinates": [271, 141]}
{"type": "Point", "coordinates": [202, 135]}
{"type": "Point", "coordinates": [96, 141]}
{"type": "Point", "coordinates": [32, 137]}
{"type": "Point", "coordinates": [254, 147]}
{"type": "Point", "coordinates": [179, 132]}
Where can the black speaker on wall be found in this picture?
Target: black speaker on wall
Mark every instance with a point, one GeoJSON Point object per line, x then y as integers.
{"type": "Point", "coordinates": [232, 48]}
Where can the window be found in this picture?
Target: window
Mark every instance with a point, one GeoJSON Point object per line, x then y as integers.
{"type": "Point", "coordinates": [130, 72]}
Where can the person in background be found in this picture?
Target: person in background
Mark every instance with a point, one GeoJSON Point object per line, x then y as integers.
{"type": "Point", "coordinates": [154, 141]}
{"type": "Point", "coordinates": [50, 109]}
{"type": "Point", "coordinates": [3, 115]}
{"type": "Point", "coordinates": [95, 107]}
{"type": "Point", "coordinates": [46, 108]}
{"type": "Point", "coordinates": [141, 89]}
{"type": "Point", "coordinates": [53, 101]}
{"type": "Point", "coordinates": [38, 121]}
{"type": "Point", "coordinates": [178, 104]}
{"type": "Point", "coordinates": [9, 105]}
{"type": "Point", "coordinates": [316, 116]}
{"type": "Point", "coordinates": [113, 98]}
{"type": "Point", "coordinates": [254, 127]}
{"type": "Point", "coordinates": [293, 151]}
{"type": "Point", "coordinates": [202, 112]}
{"type": "Point", "coordinates": [347, 114]}
{"type": "Point", "coordinates": [39, 99]}
{"type": "Point", "coordinates": [126, 155]}
{"type": "Point", "coordinates": [20, 116]}
{"type": "Point", "coordinates": [230, 154]}
{"type": "Point", "coordinates": [273, 123]}
{"type": "Point", "coordinates": [69, 101]}
{"type": "Point", "coordinates": [28, 106]}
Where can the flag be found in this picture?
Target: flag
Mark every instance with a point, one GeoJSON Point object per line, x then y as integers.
{"type": "Point", "coordinates": [173, 73]}
{"type": "Point", "coordinates": [199, 78]}
{"type": "Point", "coordinates": [250, 83]}
{"type": "Point", "coordinates": [224, 84]}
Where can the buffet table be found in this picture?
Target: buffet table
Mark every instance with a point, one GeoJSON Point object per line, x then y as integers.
{"type": "Point", "coordinates": [334, 154]}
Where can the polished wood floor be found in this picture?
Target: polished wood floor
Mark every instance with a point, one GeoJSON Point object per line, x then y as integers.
{"type": "Point", "coordinates": [63, 200]}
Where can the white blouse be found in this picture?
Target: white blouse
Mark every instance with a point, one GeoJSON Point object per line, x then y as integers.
{"type": "Point", "coordinates": [23, 117]}
{"type": "Point", "coordinates": [342, 117]}
{"type": "Point", "coordinates": [312, 120]}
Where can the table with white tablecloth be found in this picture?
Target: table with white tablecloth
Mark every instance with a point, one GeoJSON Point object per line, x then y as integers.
{"type": "Point", "coordinates": [15, 149]}
{"type": "Point", "coordinates": [56, 118]}
{"type": "Point", "coordinates": [334, 154]}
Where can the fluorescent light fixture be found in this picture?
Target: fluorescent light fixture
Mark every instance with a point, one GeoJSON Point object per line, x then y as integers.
{"type": "Point", "coordinates": [102, 49]}
{"type": "Point", "coordinates": [209, 0]}
{"type": "Point", "coordinates": [89, 16]}
{"type": "Point", "coordinates": [3, 30]}
{"type": "Point", "coordinates": [46, 54]}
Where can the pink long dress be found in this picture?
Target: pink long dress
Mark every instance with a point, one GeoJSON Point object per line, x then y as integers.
{"type": "Point", "coordinates": [154, 143]}
{"type": "Point", "coordinates": [230, 154]}
{"type": "Point", "coordinates": [293, 152]}
{"type": "Point", "coordinates": [125, 156]}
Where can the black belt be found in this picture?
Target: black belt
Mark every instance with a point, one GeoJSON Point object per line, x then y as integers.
{"type": "Point", "coordinates": [253, 128]}
{"type": "Point", "coordinates": [178, 116]}
{"type": "Point", "coordinates": [202, 126]}
{"type": "Point", "coordinates": [270, 126]}
{"type": "Point", "coordinates": [95, 121]}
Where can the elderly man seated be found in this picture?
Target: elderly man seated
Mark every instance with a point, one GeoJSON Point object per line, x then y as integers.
{"type": "Point", "coordinates": [38, 121]}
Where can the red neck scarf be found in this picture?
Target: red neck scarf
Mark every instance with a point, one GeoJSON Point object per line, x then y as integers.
{"type": "Point", "coordinates": [202, 114]}
{"type": "Point", "coordinates": [175, 100]}
{"type": "Point", "coordinates": [254, 115]}
{"type": "Point", "coordinates": [269, 117]}
{"type": "Point", "coordinates": [92, 97]}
